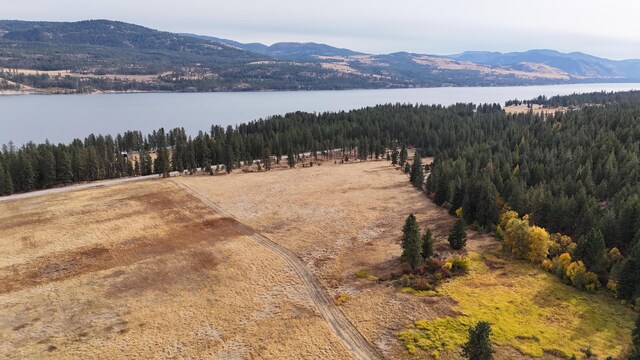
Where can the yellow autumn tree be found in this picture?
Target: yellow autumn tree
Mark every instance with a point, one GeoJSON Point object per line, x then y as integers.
{"type": "Point", "coordinates": [505, 217]}
{"type": "Point", "coordinates": [516, 237]}
{"type": "Point", "coordinates": [523, 240]}
{"type": "Point", "coordinates": [575, 269]}
{"type": "Point", "coordinates": [564, 260]}
{"type": "Point", "coordinates": [538, 239]}
{"type": "Point", "coordinates": [560, 244]}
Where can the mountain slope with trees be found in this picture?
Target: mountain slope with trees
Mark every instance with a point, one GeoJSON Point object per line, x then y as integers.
{"type": "Point", "coordinates": [103, 55]}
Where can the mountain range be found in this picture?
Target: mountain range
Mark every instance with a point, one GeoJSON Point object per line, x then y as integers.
{"type": "Point", "coordinates": [105, 55]}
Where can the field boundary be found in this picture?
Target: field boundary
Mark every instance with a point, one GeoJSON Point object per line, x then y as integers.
{"type": "Point", "coordinates": [352, 339]}
{"type": "Point", "coordinates": [77, 186]}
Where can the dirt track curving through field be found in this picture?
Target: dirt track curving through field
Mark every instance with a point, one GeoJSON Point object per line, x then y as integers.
{"type": "Point", "coordinates": [73, 187]}
{"type": "Point", "coordinates": [353, 340]}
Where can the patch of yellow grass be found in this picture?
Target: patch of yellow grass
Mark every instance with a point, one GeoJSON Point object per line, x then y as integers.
{"type": "Point", "coordinates": [341, 299]}
{"type": "Point", "coordinates": [361, 274]}
{"type": "Point", "coordinates": [421, 293]}
{"type": "Point", "coordinates": [435, 336]}
{"type": "Point", "coordinates": [528, 309]}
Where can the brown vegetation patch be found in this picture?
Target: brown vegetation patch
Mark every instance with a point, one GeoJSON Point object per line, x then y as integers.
{"type": "Point", "coordinates": [185, 232]}
{"type": "Point", "coordinates": [158, 275]}
{"type": "Point", "coordinates": [65, 265]}
{"type": "Point", "coordinates": [495, 264]}
{"type": "Point", "coordinates": [442, 305]}
{"type": "Point", "coordinates": [20, 327]}
{"type": "Point", "coordinates": [20, 221]}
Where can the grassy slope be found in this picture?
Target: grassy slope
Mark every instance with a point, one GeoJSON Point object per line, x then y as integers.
{"type": "Point", "coordinates": [529, 309]}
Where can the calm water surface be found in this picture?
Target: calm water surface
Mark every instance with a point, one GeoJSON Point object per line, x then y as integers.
{"type": "Point", "coordinates": [61, 118]}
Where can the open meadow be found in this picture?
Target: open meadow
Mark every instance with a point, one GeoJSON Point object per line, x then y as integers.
{"type": "Point", "coordinates": [241, 266]}
{"type": "Point", "coordinates": [145, 271]}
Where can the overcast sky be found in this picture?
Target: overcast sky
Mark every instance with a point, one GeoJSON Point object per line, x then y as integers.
{"type": "Point", "coordinates": [604, 28]}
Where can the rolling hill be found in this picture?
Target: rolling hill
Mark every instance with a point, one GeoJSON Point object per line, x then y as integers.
{"type": "Point", "coordinates": [575, 64]}
{"type": "Point", "coordinates": [103, 55]}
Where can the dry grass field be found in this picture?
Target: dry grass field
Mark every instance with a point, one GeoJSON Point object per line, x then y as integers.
{"type": "Point", "coordinates": [339, 219]}
{"type": "Point", "coordinates": [145, 271]}
{"type": "Point", "coordinates": [152, 270]}
{"type": "Point", "coordinates": [535, 108]}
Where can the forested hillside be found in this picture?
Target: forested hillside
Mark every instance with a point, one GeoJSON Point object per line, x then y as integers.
{"type": "Point", "coordinates": [93, 55]}
{"type": "Point", "coordinates": [103, 55]}
{"type": "Point", "coordinates": [573, 173]}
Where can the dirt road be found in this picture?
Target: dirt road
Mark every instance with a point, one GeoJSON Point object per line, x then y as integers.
{"type": "Point", "coordinates": [76, 187]}
{"type": "Point", "coordinates": [353, 340]}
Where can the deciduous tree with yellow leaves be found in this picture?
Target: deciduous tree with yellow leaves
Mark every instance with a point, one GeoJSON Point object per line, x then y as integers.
{"type": "Point", "coordinates": [523, 240]}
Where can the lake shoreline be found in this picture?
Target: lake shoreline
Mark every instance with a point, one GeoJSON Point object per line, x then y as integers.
{"type": "Point", "coordinates": [115, 92]}
{"type": "Point", "coordinates": [64, 118]}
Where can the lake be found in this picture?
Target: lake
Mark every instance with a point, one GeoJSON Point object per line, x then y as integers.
{"type": "Point", "coordinates": [61, 118]}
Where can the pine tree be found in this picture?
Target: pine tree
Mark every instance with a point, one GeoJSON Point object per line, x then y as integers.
{"type": "Point", "coordinates": [3, 180]}
{"type": "Point", "coordinates": [228, 158]}
{"type": "Point", "coordinates": [458, 235]}
{"type": "Point", "coordinates": [136, 167]}
{"type": "Point", "coordinates": [457, 197]}
{"type": "Point", "coordinates": [411, 242]}
{"type": "Point", "coordinates": [291, 160]}
{"type": "Point", "coordinates": [266, 156]}
{"type": "Point", "coordinates": [629, 278]}
{"type": "Point", "coordinates": [64, 170]}
{"type": "Point", "coordinates": [427, 244]}
{"type": "Point", "coordinates": [629, 220]}
{"type": "Point", "coordinates": [479, 345]}
{"type": "Point", "coordinates": [129, 168]}
{"type": "Point", "coordinates": [27, 175]}
{"type": "Point", "coordinates": [479, 204]}
{"type": "Point", "coordinates": [363, 151]}
{"type": "Point", "coordinates": [634, 354]}
{"type": "Point", "coordinates": [403, 156]}
{"type": "Point", "coordinates": [394, 157]}
{"type": "Point", "coordinates": [409, 225]}
{"type": "Point", "coordinates": [417, 174]}
{"type": "Point", "coordinates": [78, 163]}
{"type": "Point", "coordinates": [147, 168]}
{"type": "Point", "coordinates": [8, 182]}
{"type": "Point", "coordinates": [92, 170]}
{"type": "Point", "coordinates": [441, 187]}
{"type": "Point", "coordinates": [591, 250]}
{"type": "Point", "coordinates": [414, 250]}
{"type": "Point", "coordinates": [163, 165]}
{"type": "Point", "coordinates": [177, 155]}
{"type": "Point", "coordinates": [47, 168]}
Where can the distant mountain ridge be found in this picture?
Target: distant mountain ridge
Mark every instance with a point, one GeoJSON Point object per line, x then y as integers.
{"type": "Point", "coordinates": [286, 50]}
{"type": "Point", "coordinates": [106, 55]}
{"type": "Point", "coordinates": [576, 63]}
